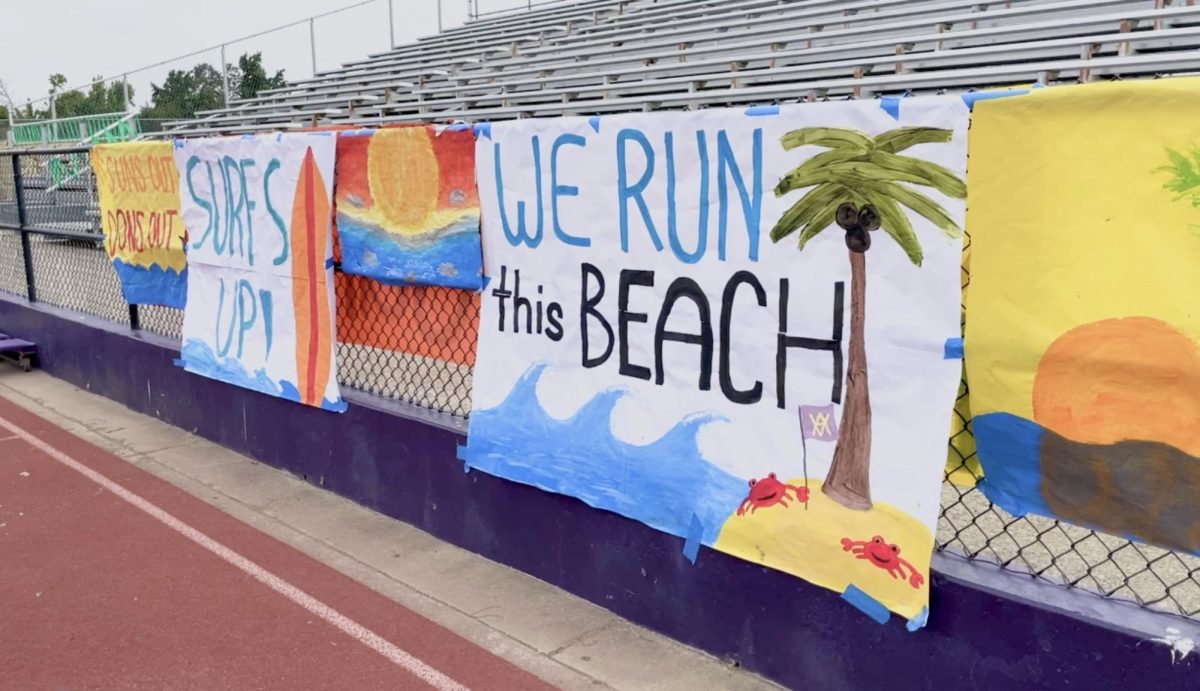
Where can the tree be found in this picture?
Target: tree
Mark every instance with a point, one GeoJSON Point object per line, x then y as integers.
{"type": "Point", "coordinates": [186, 92]}
{"type": "Point", "coordinates": [860, 183]}
{"type": "Point", "coordinates": [99, 98]}
{"type": "Point", "coordinates": [248, 77]}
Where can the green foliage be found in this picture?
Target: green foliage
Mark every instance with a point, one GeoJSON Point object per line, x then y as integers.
{"type": "Point", "coordinates": [98, 99]}
{"type": "Point", "coordinates": [186, 92]}
{"type": "Point", "coordinates": [865, 170]}
{"type": "Point", "coordinates": [248, 77]}
{"type": "Point", "coordinates": [1185, 175]}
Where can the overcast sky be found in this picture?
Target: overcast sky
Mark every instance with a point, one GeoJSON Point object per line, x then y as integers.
{"type": "Point", "coordinates": [87, 38]}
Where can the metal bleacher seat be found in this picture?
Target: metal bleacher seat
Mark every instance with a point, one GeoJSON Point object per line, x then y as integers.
{"type": "Point", "coordinates": [604, 56]}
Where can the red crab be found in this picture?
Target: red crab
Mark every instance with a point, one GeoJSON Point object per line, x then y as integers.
{"type": "Point", "coordinates": [885, 556]}
{"type": "Point", "coordinates": [769, 491]}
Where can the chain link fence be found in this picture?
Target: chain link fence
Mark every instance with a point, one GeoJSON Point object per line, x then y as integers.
{"type": "Point", "coordinates": [146, 100]}
{"type": "Point", "coordinates": [417, 345]}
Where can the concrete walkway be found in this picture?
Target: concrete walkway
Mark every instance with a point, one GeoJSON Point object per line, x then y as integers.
{"type": "Point", "coordinates": [560, 638]}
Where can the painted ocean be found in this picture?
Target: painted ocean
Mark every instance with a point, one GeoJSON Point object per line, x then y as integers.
{"type": "Point", "coordinates": [196, 357]}
{"type": "Point", "coordinates": [452, 258]}
{"type": "Point", "coordinates": [661, 484]}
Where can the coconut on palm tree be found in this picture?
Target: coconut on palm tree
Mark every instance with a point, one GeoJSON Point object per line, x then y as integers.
{"type": "Point", "coordinates": [863, 184]}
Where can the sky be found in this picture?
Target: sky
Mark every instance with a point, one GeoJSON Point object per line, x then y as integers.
{"type": "Point", "coordinates": [114, 37]}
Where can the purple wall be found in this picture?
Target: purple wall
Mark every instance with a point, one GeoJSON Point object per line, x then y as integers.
{"type": "Point", "coordinates": [401, 461]}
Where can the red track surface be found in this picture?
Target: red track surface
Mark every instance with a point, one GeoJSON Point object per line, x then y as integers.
{"type": "Point", "coordinates": [96, 593]}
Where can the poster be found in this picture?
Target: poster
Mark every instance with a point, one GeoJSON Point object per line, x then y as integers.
{"type": "Point", "coordinates": [683, 310]}
{"type": "Point", "coordinates": [1083, 320]}
{"type": "Point", "coordinates": [139, 212]}
{"type": "Point", "coordinates": [407, 207]}
{"type": "Point", "coordinates": [260, 308]}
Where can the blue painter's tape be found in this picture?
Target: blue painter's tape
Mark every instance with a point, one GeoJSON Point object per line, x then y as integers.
{"type": "Point", "coordinates": [483, 129]}
{"type": "Point", "coordinates": [759, 111]}
{"type": "Point", "coordinates": [247, 136]}
{"type": "Point", "coordinates": [329, 263]}
{"type": "Point", "coordinates": [178, 362]}
{"type": "Point", "coordinates": [594, 121]}
{"type": "Point", "coordinates": [320, 134]}
{"type": "Point", "coordinates": [179, 143]}
{"type": "Point", "coordinates": [866, 604]}
{"type": "Point", "coordinates": [462, 456]}
{"type": "Point", "coordinates": [954, 349]}
{"type": "Point", "coordinates": [918, 622]}
{"type": "Point", "coordinates": [975, 96]}
{"type": "Point", "coordinates": [366, 132]}
{"type": "Point", "coordinates": [691, 546]}
{"type": "Point", "coordinates": [458, 127]}
{"type": "Point", "coordinates": [279, 137]}
{"type": "Point", "coordinates": [486, 281]}
{"type": "Point", "coordinates": [891, 106]}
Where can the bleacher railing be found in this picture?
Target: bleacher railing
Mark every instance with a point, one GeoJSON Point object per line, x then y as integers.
{"type": "Point", "coordinates": [76, 130]}
{"type": "Point", "coordinates": [51, 251]}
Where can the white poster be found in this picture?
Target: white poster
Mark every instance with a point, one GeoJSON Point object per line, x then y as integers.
{"type": "Point", "coordinates": [260, 281]}
{"type": "Point", "coordinates": [732, 325]}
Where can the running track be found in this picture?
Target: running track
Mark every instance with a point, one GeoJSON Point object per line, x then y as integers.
{"type": "Point", "coordinates": [113, 579]}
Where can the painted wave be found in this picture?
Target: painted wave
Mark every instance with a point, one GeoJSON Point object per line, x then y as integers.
{"type": "Point", "coordinates": [452, 257]}
{"type": "Point", "coordinates": [661, 484]}
{"type": "Point", "coordinates": [152, 285]}
{"type": "Point", "coordinates": [198, 358]}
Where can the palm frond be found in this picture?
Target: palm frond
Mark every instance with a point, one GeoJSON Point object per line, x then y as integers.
{"type": "Point", "coordinates": [1185, 176]}
{"type": "Point", "coordinates": [863, 170]}
{"type": "Point", "coordinates": [820, 222]}
{"type": "Point", "coordinates": [901, 138]}
{"type": "Point", "coordinates": [811, 205]}
{"type": "Point", "coordinates": [856, 172]}
{"type": "Point", "coordinates": [922, 172]}
{"type": "Point", "coordinates": [796, 179]}
{"type": "Point", "coordinates": [829, 137]}
{"type": "Point", "coordinates": [917, 202]}
{"type": "Point", "coordinates": [895, 224]}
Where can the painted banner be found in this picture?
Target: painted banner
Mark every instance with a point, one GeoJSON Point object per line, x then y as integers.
{"type": "Point", "coordinates": [407, 207]}
{"type": "Point", "coordinates": [260, 308]}
{"type": "Point", "coordinates": [1083, 321]}
{"type": "Point", "coordinates": [683, 310]}
{"type": "Point", "coordinates": [139, 212]}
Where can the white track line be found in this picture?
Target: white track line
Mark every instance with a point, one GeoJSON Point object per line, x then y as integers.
{"type": "Point", "coordinates": [348, 626]}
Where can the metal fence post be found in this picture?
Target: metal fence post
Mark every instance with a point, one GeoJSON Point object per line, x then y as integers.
{"type": "Point", "coordinates": [128, 94]}
{"type": "Point", "coordinates": [224, 76]}
{"type": "Point", "coordinates": [22, 222]}
{"type": "Point", "coordinates": [134, 323]}
{"type": "Point", "coordinates": [392, 23]}
{"type": "Point", "coordinates": [312, 43]}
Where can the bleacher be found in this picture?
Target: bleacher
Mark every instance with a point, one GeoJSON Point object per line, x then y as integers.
{"type": "Point", "coordinates": [604, 56]}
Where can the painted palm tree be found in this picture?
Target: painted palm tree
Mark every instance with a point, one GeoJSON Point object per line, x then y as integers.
{"type": "Point", "coordinates": [862, 184]}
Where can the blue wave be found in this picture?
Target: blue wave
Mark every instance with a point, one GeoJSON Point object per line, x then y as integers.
{"type": "Point", "coordinates": [198, 358]}
{"type": "Point", "coordinates": [153, 285]}
{"type": "Point", "coordinates": [661, 484]}
{"type": "Point", "coordinates": [452, 258]}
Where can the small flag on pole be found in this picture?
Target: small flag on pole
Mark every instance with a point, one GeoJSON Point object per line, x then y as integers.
{"type": "Point", "coordinates": [817, 422]}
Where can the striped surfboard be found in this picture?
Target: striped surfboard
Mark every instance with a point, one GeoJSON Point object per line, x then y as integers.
{"type": "Point", "coordinates": [309, 239]}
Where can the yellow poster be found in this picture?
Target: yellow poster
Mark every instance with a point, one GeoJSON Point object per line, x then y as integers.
{"type": "Point", "coordinates": [1083, 311]}
{"type": "Point", "coordinates": [139, 211]}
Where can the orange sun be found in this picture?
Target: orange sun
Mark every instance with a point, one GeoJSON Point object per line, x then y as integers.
{"type": "Point", "coordinates": [1121, 379]}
